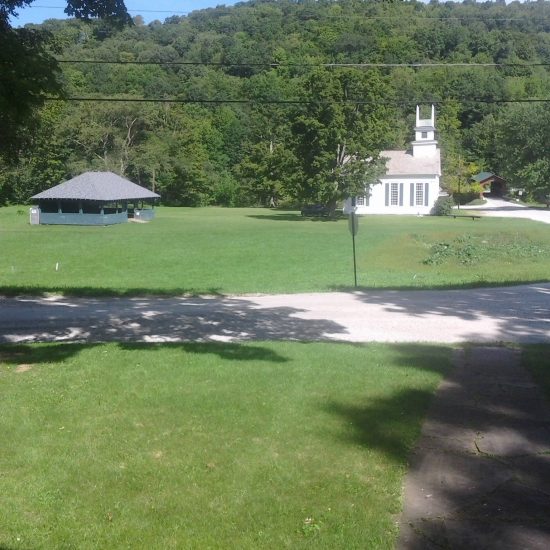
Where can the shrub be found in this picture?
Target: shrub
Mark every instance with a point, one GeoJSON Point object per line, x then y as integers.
{"type": "Point", "coordinates": [443, 206]}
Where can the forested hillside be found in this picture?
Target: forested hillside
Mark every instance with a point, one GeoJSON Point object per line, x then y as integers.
{"type": "Point", "coordinates": [265, 100]}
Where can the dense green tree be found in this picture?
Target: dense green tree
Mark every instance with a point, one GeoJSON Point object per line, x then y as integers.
{"type": "Point", "coordinates": [339, 132]}
{"type": "Point", "coordinates": [517, 146]}
{"type": "Point", "coordinates": [28, 72]}
{"type": "Point", "coordinates": [270, 122]}
{"type": "Point", "coordinates": [268, 173]}
{"type": "Point", "coordinates": [46, 163]}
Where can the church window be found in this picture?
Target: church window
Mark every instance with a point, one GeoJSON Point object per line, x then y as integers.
{"type": "Point", "coordinates": [424, 134]}
{"type": "Point", "coordinates": [360, 201]}
{"type": "Point", "coordinates": [394, 197]}
{"type": "Point", "coordinates": [419, 194]}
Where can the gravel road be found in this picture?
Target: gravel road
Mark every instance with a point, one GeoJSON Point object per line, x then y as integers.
{"type": "Point", "coordinates": [511, 314]}
{"type": "Point", "coordinates": [505, 209]}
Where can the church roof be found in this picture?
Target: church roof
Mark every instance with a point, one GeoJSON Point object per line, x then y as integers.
{"type": "Point", "coordinates": [97, 186]}
{"type": "Point", "coordinates": [402, 163]}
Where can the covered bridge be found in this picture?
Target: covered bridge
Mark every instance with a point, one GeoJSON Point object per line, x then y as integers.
{"type": "Point", "coordinates": [93, 198]}
{"type": "Point", "coordinates": [491, 183]}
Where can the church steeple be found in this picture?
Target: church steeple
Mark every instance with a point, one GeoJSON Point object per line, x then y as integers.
{"type": "Point", "coordinates": [425, 144]}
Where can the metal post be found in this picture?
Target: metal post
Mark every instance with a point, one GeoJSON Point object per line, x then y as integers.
{"type": "Point", "coordinates": [354, 261]}
{"type": "Point", "coordinates": [353, 231]}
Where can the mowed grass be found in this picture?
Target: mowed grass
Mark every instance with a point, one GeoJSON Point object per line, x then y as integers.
{"type": "Point", "coordinates": [260, 445]}
{"type": "Point", "coordinates": [209, 250]}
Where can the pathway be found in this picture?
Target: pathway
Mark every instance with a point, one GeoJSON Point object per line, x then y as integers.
{"type": "Point", "coordinates": [480, 473]}
{"type": "Point", "coordinates": [506, 209]}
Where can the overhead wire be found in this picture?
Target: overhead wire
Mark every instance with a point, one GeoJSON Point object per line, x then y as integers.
{"type": "Point", "coordinates": [291, 101]}
{"type": "Point", "coordinates": [416, 65]}
{"type": "Point", "coordinates": [217, 11]}
{"type": "Point", "coordinates": [272, 64]}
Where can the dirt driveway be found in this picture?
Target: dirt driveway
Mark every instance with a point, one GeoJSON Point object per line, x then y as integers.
{"type": "Point", "coordinates": [507, 209]}
{"type": "Point", "coordinates": [507, 314]}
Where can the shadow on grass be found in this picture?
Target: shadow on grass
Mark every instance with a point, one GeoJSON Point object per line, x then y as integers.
{"type": "Point", "coordinates": [90, 291]}
{"type": "Point", "coordinates": [458, 286]}
{"type": "Point", "coordinates": [391, 424]}
{"type": "Point", "coordinates": [30, 354]}
{"type": "Point", "coordinates": [231, 352]}
{"type": "Point", "coordinates": [295, 217]}
{"type": "Point", "coordinates": [535, 358]}
{"type": "Point", "coordinates": [479, 475]}
{"type": "Point", "coordinates": [44, 353]}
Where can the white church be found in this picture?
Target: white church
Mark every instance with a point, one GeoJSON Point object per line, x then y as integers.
{"type": "Point", "coordinates": [411, 182]}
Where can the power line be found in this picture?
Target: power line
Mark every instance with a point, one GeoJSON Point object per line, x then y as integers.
{"type": "Point", "coordinates": [175, 12]}
{"type": "Point", "coordinates": [291, 101]}
{"type": "Point", "coordinates": [298, 15]}
{"type": "Point", "coordinates": [326, 65]}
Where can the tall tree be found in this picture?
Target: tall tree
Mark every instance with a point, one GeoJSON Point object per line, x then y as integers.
{"type": "Point", "coordinates": [28, 71]}
{"type": "Point", "coordinates": [517, 146]}
{"type": "Point", "coordinates": [339, 133]}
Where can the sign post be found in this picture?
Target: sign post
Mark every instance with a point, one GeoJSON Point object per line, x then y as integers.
{"type": "Point", "coordinates": [353, 224]}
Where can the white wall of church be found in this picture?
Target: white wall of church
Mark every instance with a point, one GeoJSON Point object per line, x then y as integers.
{"type": "Point", "coordinates": [399, 195]}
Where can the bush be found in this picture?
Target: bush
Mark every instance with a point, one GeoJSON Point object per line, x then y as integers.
{"type": "Point", "coordinates": [228, 192]}
{"type": "Point", "coordinates": [468, 193]}
{"type": "Point", "coordinates": [443, 206]}
{"type": "Point", "coordinates": [465, 197]}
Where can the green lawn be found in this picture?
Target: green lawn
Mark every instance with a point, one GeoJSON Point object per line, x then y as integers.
{"type": "Point", "coordinates": [206, 250]}
{"type": "Point", "coordinates": [261, 445]}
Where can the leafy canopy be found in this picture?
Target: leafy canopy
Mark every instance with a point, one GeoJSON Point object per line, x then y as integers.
{"type": "Point", "coordinates": [28, 71]}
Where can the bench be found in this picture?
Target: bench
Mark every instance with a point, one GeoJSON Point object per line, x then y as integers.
{"type": "Point", "coordinates": [473, 216]}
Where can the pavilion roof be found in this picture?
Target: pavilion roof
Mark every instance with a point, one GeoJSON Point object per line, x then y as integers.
{"type": "Point", "coordinates": [97, 186]}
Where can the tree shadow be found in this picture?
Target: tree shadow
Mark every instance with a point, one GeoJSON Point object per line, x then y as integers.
{"type": "Point", "coordinates": [156, 319]}
{"type": "Point", "coordinates": [514, 314]}
{"type": "Point", "coordinates": [45, 353]}
{"type": "Point", "coordinates": [295, 217]}
{"type": "Point", "coordinates": [480, 283]}
{"type": "Point", "coordinates": [279, 217]}
{"type": "Point", "coordinates": [30, 354]}
{"type": "Point", "coordinates": [232, 352]}
{"type": "Point", "coordinates": [94, 291]}
{"type": "Point", "coordinates": [480, 472]}
{"type": "Point", "coordinates": [391, 424]}
{"type": "Point", "coordinates": [506, 314]}
{"type": "Point", "coordinates": [387, 425]}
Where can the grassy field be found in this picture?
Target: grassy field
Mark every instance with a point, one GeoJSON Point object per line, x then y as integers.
{"type": "Point", "coordinates": [208, 250]}
{"type": "Point", "coordinates": [263, 445]}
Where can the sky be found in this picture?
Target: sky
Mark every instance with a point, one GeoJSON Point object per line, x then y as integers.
{"type": "Point", "coordinates": [41, 10]}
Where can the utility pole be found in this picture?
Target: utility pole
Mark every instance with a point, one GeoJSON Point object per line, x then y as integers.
{"type": "Point", "coordinates": [353, 224]}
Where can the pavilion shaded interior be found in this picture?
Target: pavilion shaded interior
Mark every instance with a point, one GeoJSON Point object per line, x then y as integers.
{"type": "Point", "coordinates": [94, 198]}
